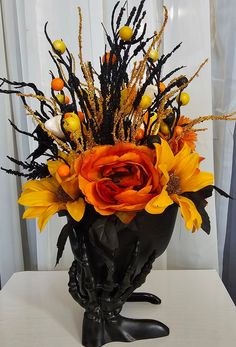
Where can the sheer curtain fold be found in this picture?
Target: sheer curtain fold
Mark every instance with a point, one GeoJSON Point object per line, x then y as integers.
{"type": "Point", "coordinates": [11, 254]}
{"type": "Point", "coordinates": [223, 17]}
{"type": "Point", "coordinates": [223, 20]}
{"type": "Point", "coordinates": [19, 243]}
{"type": "Point", "coordinates": [189, 23]}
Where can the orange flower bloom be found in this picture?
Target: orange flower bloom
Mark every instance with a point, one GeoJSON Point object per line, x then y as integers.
{"type": "Point", "coordinates": [119, 179]}
{"type": "Point", "coordinates": [177, 142]}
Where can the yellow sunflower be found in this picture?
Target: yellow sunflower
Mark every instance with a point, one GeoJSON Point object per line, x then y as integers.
{"type": "Point", "coordinates": [179, 174]}
{"type": "Point", "coordinates": [46, 197]}
{"type": "Point", "coordinates": [69, 183]}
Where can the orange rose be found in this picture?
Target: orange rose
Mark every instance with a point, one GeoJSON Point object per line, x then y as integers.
{"type": "Point", "coordinates": [119, 179]}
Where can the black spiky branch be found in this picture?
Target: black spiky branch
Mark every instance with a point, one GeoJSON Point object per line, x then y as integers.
{"type": "Point", "coordinates": [45, 107]}
{"type": "Point", "coordinates": [106, 121]}
{"type": "Point", "coordinates": [114, 77]}
{"type": "Point", "coordinates": [118, 70]}
{"type": "Point", "coordinates": [22, 131]}
{"type": "Point", "coordinates": [30, 169]}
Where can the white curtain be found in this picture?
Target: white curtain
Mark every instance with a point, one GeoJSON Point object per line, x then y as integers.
{"type": "Point", "coordinates": [223, 24]}
{"type": "Point", "coordinates": [11, 256]}
{"type": "Point", "coordinates": [189, 22]}
{"type": "Point", "coordinates": [17, 237]}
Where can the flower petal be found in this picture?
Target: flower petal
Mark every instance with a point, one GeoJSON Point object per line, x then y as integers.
{"type": "Point", "coordinates": [126, 217]}
{"type": "Point", "coordinates": [186, 168]}
{"type": "Point", "coordinates": [165, 178]}
{"type": "Point", "coordinates": [43, 184]}
{"type": "Point", "coordinates": [39, 198]}
{"type": "Point", "coordinates": [53, 166]}
{"type": "Point", "coordinates": [76, 209]}
{"type": "Point", "coordinates": [164, 154]}
{"type": "Point", "coordinates": [33, 212]}
{"type": "Point", "coordinates": [197, 182]}
{"type": "Point", "coordinates": [48, 213]}
{"type": "Point", "coordinates": [192, 217]}
{"type": "Point", "coordinates": [104, 212]}
{"type": "Point", "coordinates": [71, 187]}
{"type": "Point", "coordinates": [185, 152]}
{"type": "Point", "coordinates": [159, 203]}
{"type": "Point", "coordinates": [132, 197]}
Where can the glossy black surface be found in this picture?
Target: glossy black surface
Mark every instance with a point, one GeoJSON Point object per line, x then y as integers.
{"type": "Point", "coordinates": [111, 261]}
{"type": "Point", "coordinates": [118, 328]}
{"type": "Point", "coordinates": [144, 297]}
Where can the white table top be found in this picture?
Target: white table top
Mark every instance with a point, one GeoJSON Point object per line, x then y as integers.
{"type": "Point", "coordinates": [37, 311]}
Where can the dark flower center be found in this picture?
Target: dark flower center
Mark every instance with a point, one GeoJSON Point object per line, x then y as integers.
{"type": "Point", "coordinates": [62, 195]}
{"type": "Point", "coordinates": [173, 186]}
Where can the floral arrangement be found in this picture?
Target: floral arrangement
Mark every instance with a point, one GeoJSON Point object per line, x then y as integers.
{"type": "Point", "coordinates": [115, 140]}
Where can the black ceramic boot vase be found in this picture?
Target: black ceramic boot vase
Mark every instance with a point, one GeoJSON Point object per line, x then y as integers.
{"type": "Point", "coordinates": [122, 329]}
{"type": "Point", "coordinates": [111, 261]}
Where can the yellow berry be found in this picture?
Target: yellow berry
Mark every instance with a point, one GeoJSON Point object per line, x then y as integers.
{"type": "Point", "coordinates": [71, 122]}
{"type": "Point", "coordinates": [164, 129]}
{"type": "Point", "coordinates": [63, 170]}
{"type": "Point", "coordinates": [145, 102]}
{"type": "Point", "coordinates": [60, 98]}
{"type": "Point", "coordinates": [154, 55]}
{"type": "Point", "coordinates": [59, 46]}
{"type": "Point", "coordinates": [183, 99]}
{"type": "Point", "coordinates": [126, 33]}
